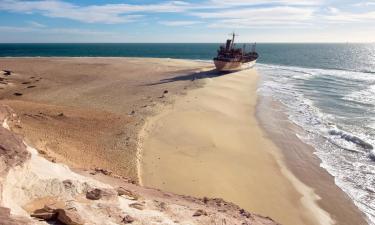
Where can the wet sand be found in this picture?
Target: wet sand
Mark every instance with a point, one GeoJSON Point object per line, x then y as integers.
{"type": "Point", "coordinates": [209, 143]}
{"type": "Point", "coordinates": [301, 160]}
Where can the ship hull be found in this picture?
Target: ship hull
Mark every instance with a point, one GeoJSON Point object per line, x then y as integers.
{"type": "Point", "coordinates": [226, 66]}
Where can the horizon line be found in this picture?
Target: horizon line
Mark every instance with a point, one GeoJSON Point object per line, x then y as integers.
{"type": "Point", "coordinates": [186, 42]}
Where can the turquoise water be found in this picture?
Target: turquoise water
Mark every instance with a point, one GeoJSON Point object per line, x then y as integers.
{"type": "Point", "coordinates": [327, 89]}
{"type": "Point", "coordinates": [353, 57]}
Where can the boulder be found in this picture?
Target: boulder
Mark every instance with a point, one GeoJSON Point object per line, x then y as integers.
{"type": "Point", "coordinates": [129, 194]}
{"type": "Point", "coordinates": [44, 215]}
{"type": "Point", "coordinates": [127, 219]}
{"type": "Point", "coordinates": [68, 184]}
{"type": "Point", "coordinates": [200, 212]}
{"type": "Point", "coordinates": [48, 212]}
{"type": "Point", "coordinates": [137, 205]}
{"type": "Point", "coordinates": [245, 213]}
{"type": "Point", "coordinates": [103, 171]}
{"type": "Point", "coordinates": [94, 194]}
{"type": "Point", "coordinates": [69, 217]}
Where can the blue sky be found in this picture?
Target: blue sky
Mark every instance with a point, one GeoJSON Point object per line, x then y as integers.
{"type": "Point", "coordinates": [187, 20]}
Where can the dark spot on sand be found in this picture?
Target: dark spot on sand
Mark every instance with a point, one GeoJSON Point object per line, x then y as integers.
{"type": "Point", "coordinates": [26, 82]}
{"type": "Point", "coordinates": [17, 94]}
{"type": "Point", "coordinates": [7, 72]}
{"type": "Point", "coordinates": [32, 86]}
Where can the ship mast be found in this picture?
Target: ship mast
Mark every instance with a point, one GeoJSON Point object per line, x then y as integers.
{"type": "Point", "coordinates": [233, 36]}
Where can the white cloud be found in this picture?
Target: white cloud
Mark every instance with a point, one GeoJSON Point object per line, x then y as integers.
{"type": "Point", "coordinates": [364, 4]}
{"type": "Point", "coordinates": [122, 13]}
{"type": "Point", "coordinates": [338, 16]}
{"type": "Point", "coordinates": [52, 30]}
{"type": "Point", "coordinates": [109, 13]}
{"type": "Point", "coordinates": [214, 13]}
{"type": "Point", "coordinates": [259, 2]}
{"type": "Point", "coordinates": [259, 17]}
{"type": "Point", "coordinates": [36, 24]}
{"type": "Point", "coordinates": [180, 22]}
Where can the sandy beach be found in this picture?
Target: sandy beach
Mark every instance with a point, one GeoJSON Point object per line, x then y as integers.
{"type": "Point", "coordinates": [213, 136]}
{"type": "Point", "coordinates": [174, 125]}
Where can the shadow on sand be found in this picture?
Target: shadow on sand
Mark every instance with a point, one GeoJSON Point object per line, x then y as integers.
{"type": "Point", "coordinates": [191, 77]}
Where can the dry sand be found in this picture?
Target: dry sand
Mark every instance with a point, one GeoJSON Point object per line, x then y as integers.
{"type": "Point", "coordinates": [86, 112]}
{"type": "Point", "coordinates": [210, 144]}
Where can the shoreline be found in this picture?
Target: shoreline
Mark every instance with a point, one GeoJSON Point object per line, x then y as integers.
{"type": "Point", "coordinates": [174, 181]}
{"type": "Point", "coordinates": [299, 157]}
{"type": "Point", "coordinates": [177, 76]}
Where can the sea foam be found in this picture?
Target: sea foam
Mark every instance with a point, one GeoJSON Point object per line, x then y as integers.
{"type": "Point", "coordinates": [335, 110]}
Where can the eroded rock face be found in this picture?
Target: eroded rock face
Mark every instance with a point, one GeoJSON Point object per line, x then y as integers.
{"type": "Point", "coordinates": [12, 153]}
{"type": "Point", "coordinates": [12, 149]}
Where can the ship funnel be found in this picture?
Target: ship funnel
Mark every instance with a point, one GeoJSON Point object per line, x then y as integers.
{"type": "Point", "coordinates": [227, 47]}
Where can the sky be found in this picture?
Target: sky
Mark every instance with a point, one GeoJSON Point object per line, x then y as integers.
{"type": "Point", "coordinates": [155, 21]}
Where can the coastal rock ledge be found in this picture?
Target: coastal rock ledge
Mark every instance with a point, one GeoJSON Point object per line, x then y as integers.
{"type": "Point", "coordinates": [37, 191]}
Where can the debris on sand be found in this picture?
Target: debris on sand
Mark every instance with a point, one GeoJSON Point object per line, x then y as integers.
{"type": "Point", "coordinates": [164, 93]}
{"type": "Point", "coordinates": [7, 72]}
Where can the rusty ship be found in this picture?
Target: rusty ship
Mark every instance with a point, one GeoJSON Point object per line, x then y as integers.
{"type": "Point", "coordinates": [230, 58]}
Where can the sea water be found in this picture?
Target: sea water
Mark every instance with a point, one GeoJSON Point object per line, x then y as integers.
{"type": "Point", "coordinates": [327, 89]}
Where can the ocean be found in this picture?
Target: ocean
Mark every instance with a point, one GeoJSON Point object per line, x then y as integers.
{"type": "Point", "coordinates": [327, 89]}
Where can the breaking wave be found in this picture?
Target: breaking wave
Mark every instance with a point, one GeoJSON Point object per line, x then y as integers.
{"type": "Point", "coordinates": [335, 110]}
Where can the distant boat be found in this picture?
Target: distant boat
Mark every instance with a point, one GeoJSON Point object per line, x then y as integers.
{"type": "Point", "coordinates": [229, 58]}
